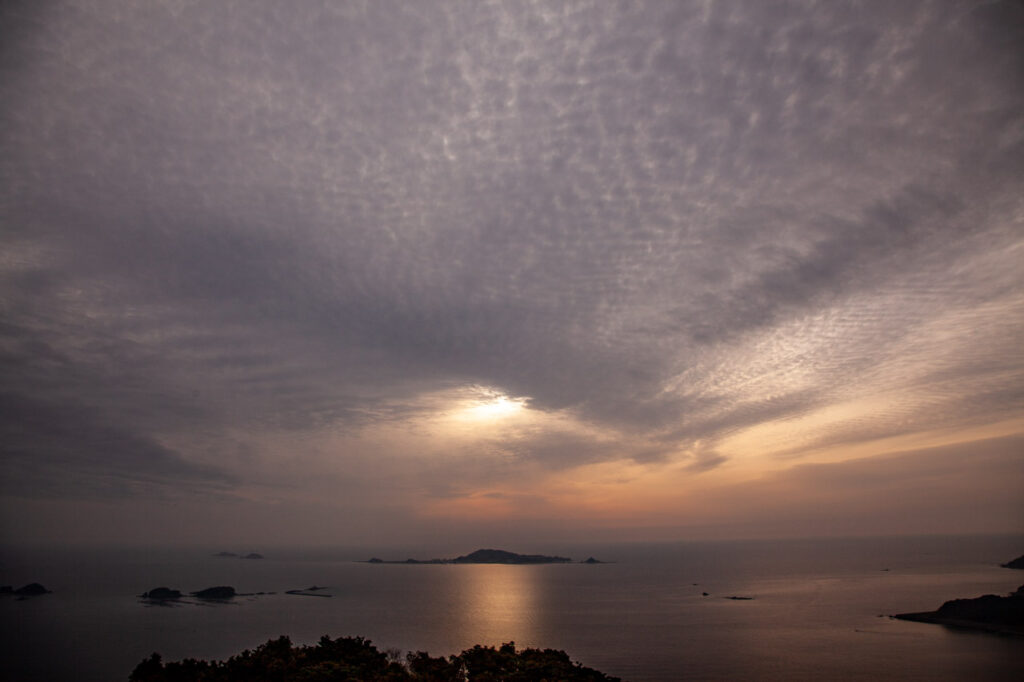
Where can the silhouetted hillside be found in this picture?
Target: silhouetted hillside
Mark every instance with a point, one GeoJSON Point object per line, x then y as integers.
{"type": "Point", "coordinates": [988, 612]}
{"type": "Point", "coordinates": [500, 556]}
{"type": "Point", "coordinates": [1016, 563]}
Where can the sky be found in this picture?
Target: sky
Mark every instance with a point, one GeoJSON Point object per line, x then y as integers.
{"type": "Point", "coordinates": [502, 273]}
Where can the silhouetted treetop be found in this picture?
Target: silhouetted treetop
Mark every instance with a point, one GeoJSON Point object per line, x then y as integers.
{"type": "Point", "coordinates": [356, 658]}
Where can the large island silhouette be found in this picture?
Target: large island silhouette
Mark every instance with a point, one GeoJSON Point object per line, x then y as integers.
{"type": "Point", "coordinates": [485, 556]}
{"type": "Point", "coordinates": [991, 613]}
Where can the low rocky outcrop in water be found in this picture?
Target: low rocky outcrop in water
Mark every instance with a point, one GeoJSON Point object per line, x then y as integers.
{"type": "Point", "coordinates": [161, 594]}
{"type": "Point", "coordinates": [233, 555]}
{"type": "Point", "coordinates": [1016, 563]}
{"type": "Point", "coordinates": [313, 591]}
{"type": "Point", "coordinates": [990, 612]}
{"type": "Point", "coordinates": [220, 592]}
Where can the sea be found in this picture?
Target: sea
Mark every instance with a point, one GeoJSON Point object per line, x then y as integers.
{"type": "Point", "coordinates": [818, 609]}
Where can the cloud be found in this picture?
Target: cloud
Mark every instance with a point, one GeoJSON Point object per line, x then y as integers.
{"type": "Point", "coordinates": [706, 460]}
{"type": "Point", "coordinates": [66, 450]}
{"type": "Point", "coordinates": [235, 237]}
{"type": "Point", "coordinates": [965, 487]}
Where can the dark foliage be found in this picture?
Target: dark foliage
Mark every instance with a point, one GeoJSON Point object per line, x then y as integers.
{"type": "Point", "coordinates": [350, 659]}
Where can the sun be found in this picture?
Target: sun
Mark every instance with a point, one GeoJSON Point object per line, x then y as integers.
{"type": "Point", "coordinates": [494, 407]}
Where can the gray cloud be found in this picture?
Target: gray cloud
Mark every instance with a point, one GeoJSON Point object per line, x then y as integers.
{"type": "Point", "coordinates": [226, 218]}
{"type": "Point", "coordinates": [99, 457]}
{"type": "Point", "coordinates": [706, 460]}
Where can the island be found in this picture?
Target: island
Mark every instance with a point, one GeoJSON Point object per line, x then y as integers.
{"type": "Point", "coordinates": [991, 613]}
{"type": "Point", "coordinates": [233, 555]}
{"type": "Point", "coordinates": [500, 556]}
{"type": "Point", "coordinates": [356, 658]}
{"type": "Point", "coordinates": [313, 591]}
{"type": "Point", "coordinates": [161, 594]}
{"type": "Point", "coordinates": [487, 556]}
{"type": "Point", "coordinates": [219, 592]}
{"type": "Point", "coordinates": [1016, 563]}
{"type": "Point", "coordinates": [30, 590]}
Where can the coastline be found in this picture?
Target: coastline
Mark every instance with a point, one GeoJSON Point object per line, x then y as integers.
{"type": "Point", "coordinates": [933, 618]}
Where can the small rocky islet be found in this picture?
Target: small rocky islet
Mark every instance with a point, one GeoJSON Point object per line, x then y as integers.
{"type": "Point", "coordinates": [312, 591]}
{"type": "Point", "coordinates": [166, 594]}
{"type": "Point", "coordinates": [161, 594]}
{"type": "Point", "coordinates": [219, 593]}
{"type": "Point", "coordinates": [235, 555]}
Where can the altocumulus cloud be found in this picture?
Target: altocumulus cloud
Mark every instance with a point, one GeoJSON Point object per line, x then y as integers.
{"type": "Point", "coordinates": [248, 248]}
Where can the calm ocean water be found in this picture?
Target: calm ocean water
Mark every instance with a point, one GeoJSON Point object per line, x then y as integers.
{"type": "Point", "coordinates": [814, 613]}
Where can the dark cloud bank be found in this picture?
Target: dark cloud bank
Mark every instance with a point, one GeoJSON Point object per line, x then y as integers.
{"type": "Point", "coordinates": [670, 221]}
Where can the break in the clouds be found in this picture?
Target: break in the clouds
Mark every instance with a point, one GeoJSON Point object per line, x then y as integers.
{"type": "Point", "coordinates": [417, 260]}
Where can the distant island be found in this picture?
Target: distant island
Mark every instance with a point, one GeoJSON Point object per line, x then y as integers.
{"type": "Point", "coordinates": [1016, 563]}
{"type": "Point", "coordinates": [30, 590]}
{"type": "Point", "coordinates": [490, 556]}
{"type": "Point", "coordinates": [991, 613]}
{"type": "Point", "coordinates": [312, 591]}
{"type": "Point", "coordinates": [233, 555]}
{"type": "Point", "coordinates": [217, 593]}
{"type": "Point", "coordinates": [220, 593]}
{"type": "Point", "coordinates": [161, 594]}
{"type": "Point", "coordinates": [356, 658]}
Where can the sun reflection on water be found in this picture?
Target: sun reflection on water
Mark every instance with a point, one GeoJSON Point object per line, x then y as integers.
{"type": "Point", "coordinates": [498, 603]}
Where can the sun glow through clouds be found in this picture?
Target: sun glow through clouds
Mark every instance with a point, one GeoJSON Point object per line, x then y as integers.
{"type": "Point", "coordinates": [496, 407]}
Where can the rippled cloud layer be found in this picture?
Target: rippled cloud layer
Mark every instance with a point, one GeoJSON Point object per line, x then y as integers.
{"type": "Point", "coordinates": [424, 262]}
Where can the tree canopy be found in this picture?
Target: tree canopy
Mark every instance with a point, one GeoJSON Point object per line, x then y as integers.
{"type": "Point", "coordinates": [356, 658]}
